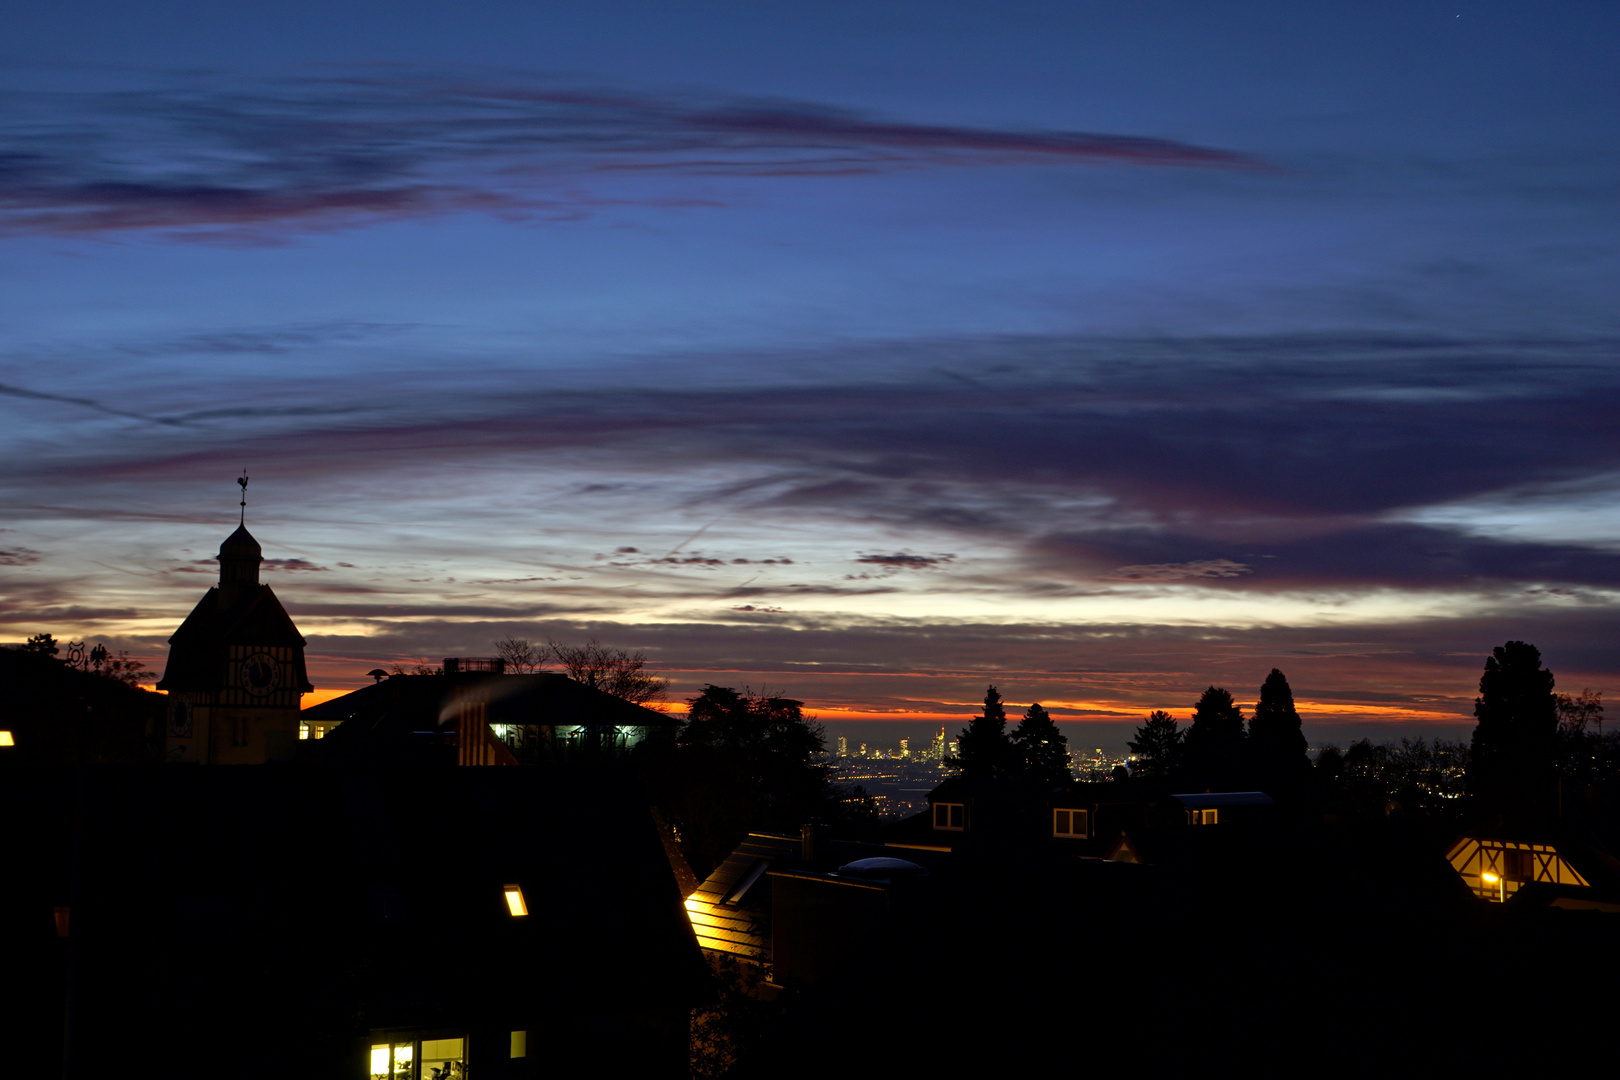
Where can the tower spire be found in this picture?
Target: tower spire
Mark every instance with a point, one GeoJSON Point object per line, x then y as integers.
{"type": "Point", "coordinates": [242, 481]}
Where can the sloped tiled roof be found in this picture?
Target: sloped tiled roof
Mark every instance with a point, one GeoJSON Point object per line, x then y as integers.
{"type": "Point", "coordinates": [199, 648]}
{"type": "Point", "coordinates": [730, 911]}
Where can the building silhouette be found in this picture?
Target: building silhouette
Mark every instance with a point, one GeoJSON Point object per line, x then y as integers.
{"type": "Point", "coordinates": [235, 670]}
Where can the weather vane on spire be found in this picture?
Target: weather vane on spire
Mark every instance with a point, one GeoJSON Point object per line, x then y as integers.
{"type": "Point", "coordinates": [242, 482]}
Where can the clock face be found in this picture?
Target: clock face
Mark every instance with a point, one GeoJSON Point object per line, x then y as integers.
{"type": "Point", "coordinates": [261, 674]}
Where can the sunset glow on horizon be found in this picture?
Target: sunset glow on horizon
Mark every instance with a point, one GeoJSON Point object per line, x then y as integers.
{"type": "Point", "coordinates": [869, 358]}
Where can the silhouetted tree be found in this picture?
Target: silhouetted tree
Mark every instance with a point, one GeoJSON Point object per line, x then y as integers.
{"type": "Point", "coordinates": [1413, 778]}
{"type": "Point", "coordinates": [1276, 744]}
{"type": "Point", "coordinates": [1157, 746]}
{"type": "Point", "coordinates": [1510, 763]}
{"type": "Point", "coordinates": [613, 671]}
{"type": "Point", "coordinates": [122, 669]}
{"type": "Point", "coordinates": [1041, 746]}
{"type": "Point", "coordinates": [1577, 712]}
{"type": "Point", "coordinates": [1212, 749]}
{"type": "Point", "coordinates": [1581, 751]}
{"type": "Point", "coordinates": [41, 643]}
{"type": "Point", "coordinates": [982, 750]}
{"type": "Point", "coordinates": [743, 762]}
{"type": "Point", "coordinates": [521, 655]}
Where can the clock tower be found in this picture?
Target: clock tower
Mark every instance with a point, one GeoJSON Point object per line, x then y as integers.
{"type": "Point", "coordinates": [235, 670]}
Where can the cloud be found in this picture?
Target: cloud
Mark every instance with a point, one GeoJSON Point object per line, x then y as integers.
{"type": "Point", "coordinates": [1402, 555]}
{"type": "Point", "coordinates": [18, 556]}
{"type": "Point", "coordinates": [291, 564]}
{"type": "Point", "coordinates": [903, 561]}
{"type": "Point", "coordinates": [252, 160]}
{"type": "Point", "coordinates": [1066, 466]}
{"type": "Point", "coordinates": [1199, 568]}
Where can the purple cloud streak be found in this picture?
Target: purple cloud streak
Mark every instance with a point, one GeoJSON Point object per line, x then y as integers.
{"type": "Point", "coordinates": [308, 155]}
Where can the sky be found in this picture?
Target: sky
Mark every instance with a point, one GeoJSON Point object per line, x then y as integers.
{"type": "Point", "coordinates": [867, 353]}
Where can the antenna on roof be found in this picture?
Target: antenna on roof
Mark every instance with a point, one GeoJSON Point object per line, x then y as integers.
{"type": "Point", "coordinates": [242, 481]}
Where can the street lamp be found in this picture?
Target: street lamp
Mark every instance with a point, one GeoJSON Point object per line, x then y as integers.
{"type": "Point", "coordinates": [1488, 879]}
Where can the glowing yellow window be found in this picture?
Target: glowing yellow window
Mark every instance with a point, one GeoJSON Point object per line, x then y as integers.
{"type": "Point", "coordinates": [444, 1059]}
{"type": "Point", "coordinates": [400, 1056]}
{"type": "Point", "coordinates": [6, 739]}
{"type": "Point", "coordinates": [514, 901]}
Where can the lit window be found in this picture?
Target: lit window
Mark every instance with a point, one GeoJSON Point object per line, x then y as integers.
{"type": "Point", "coordinates": [520, 1044]}
{"type": "Point", "coordinates": [444, 1059]}
{"type": "Point", "coordinates": [402, 1057]}
{"type": "Point", "coordinates": [514, 900]}
{"type": "Point", "coordinates": [6, 739]}
{"type": "Point", "coordinates": [303, 729]}
{"type": "Point", "coordinates": [952, 816]}
{"type": "Point", "coordinates": [1071, 823]}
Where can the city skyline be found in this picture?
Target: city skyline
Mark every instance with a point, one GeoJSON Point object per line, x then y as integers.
{"type": "Point", "coordinates": [867, 356]}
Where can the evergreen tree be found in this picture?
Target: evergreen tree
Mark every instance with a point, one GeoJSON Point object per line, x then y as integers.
{"type": "Point", "coordinates": [1276, 744]}
{"type": "Point", "coordinates": [1511, 759]}
{"type": "Point", "coordinates": [982, 749]}
{"type": "Point", "coordinates": [1042, 748]}
{"type": "Point", "coordinates": [41, 643]}
{"type": "Point", "coordinates": [1212, 749]}
{"type": "Point", "coordinates": [1157, 746]}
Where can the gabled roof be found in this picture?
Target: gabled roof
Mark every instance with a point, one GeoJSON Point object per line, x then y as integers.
{"type": "Point", "coordinates": [380, 721]}
{"type": "Point", "coordinates": [252, 616]}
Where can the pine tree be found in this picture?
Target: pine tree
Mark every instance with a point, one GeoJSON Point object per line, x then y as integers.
{"type": "Point", "coordinates": [1041, 746]}
{"type": "Point", "coordinates": [1511, 759]}
{"type": "Point", "coordinates": [1157, 746]}
{"type": "Point", "coordinates": [983, 750]}
{"type": "Point", "coordinates": [1276, 744]}
{"type": "Point", "coordinates": [1213, 746]}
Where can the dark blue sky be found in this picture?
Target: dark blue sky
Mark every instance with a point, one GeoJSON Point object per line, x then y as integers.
{"type": "Point", "coordinates": [869, 352]}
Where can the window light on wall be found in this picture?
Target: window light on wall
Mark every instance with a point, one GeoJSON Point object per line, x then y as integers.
{"type": "Point", "coordinates": [514, 901]}
{"type": "Point", "coordinates": [6, 739]}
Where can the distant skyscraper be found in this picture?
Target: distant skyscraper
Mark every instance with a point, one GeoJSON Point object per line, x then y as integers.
{"type": "Point", "coordinates": [905, 748]}
{"type": "Point", "coordinates": [939, 745]}
{"type": "Point", "coordinates": [843, 746]}
{"type": "Point", "coordinates": [863, 749]}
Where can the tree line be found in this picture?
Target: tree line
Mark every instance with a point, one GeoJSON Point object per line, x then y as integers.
{"type": "Point", "coordinates": [1035, 752]}
{"type": "Point", "coordinates": [1217, 751]}
{"type": "Point", "coordinates": [1528, 744]}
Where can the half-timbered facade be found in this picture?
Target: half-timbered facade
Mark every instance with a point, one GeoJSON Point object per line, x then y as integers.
{"type": "Point", "coordinates": [1496, 869]}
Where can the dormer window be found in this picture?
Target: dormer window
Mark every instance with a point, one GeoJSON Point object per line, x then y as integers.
{"type": "Point", "coordinates": [950, 816]}
{"type": "Point", "coordinates": [1071, 824]}
{"type": "Point", "coordinates": [1204, 817]}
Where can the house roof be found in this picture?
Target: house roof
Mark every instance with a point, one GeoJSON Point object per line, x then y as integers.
{"type": "Point", "coordinates": [382, 721]}
{"type": "Point", "coordinates": [1219, 800]}
{"type": "Point", "coordinates": [240, 616]}
{"type": "Point", "coordinates": [731, 910]}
